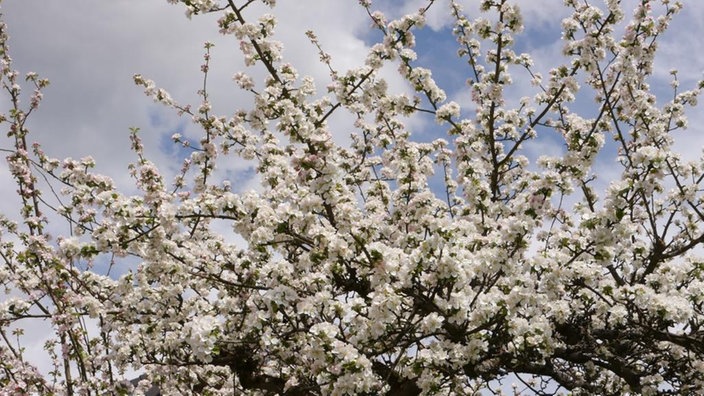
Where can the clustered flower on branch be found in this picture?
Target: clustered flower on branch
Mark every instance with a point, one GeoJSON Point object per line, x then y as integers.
{"type": "Point", "coordinates": [388, 265]}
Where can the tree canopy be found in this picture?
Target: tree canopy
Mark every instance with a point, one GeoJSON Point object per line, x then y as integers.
{"type": "Point", "coordinates": [375, 259]}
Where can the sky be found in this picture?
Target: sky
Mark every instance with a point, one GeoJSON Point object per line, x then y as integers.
{"type": "Point", "coordinates": [91, 49]}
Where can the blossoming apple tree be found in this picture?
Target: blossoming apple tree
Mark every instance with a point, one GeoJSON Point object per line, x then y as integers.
{"type": "Point", "coordinates": [385, 265]}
